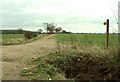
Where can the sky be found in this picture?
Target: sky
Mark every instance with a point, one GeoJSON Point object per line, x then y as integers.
{"type": "Point", "coordinates": [82, 16]}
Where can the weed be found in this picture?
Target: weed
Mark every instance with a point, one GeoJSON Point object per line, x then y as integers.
{"type": "Point", "coordinates": [78, 61]}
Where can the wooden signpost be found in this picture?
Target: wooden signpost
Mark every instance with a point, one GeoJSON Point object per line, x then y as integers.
{"type": "Point", "coordinates": [107, 32]}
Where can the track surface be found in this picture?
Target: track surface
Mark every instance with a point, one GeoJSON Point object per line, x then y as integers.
{"type": "Point", "coordinates": [14, 57]}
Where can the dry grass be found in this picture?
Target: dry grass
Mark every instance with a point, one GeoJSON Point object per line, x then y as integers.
{"type": "Point", "coordinates": [88, 63]}
{"type": "Point", "coordinates": [77, 61]}
{"type": "Point", "coordinates": [72, 61]}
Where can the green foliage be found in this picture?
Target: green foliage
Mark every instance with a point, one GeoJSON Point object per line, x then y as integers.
{"type": "Point", "coordinates": [29, 35]}
{"type": "Point", "coordinates": [75, 61]}
{"type": "Point", "coordinates": [86, 67]}
{"type": "Point", "coordinates": [40, 67]}
{"type": "Point", "coordinates": [58, 30]}
{"type": "Point", "coordinates": [51, 28]}
{"type": "Point", "coordinates": [76, 64]}
{"type": "Point", "coordinates": [25, 72]}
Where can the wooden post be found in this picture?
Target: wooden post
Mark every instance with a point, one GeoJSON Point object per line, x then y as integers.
{"type": "Point", "coordinates": [107, 32]}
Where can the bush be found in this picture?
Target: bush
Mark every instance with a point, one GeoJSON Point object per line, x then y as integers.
{"type": "Point", "coordinates": [29, 35]}
{"type": "Point", "coordinates": [84, 66]}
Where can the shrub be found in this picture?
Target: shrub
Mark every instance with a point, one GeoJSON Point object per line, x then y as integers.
{"type": "Point", "coordinates": [29, 35]}
{"type": "Point", "coordinates": [84, 66]}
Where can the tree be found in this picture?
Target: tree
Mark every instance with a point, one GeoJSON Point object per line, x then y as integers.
{"type": "Point", "coordinates": [58, 30]}
{"type": "Point", "coordinates": [49, 27]}
{"type": "Point", "coordinates": [40, 31]}
{"type": "Point", "coordinates": [64, 31]}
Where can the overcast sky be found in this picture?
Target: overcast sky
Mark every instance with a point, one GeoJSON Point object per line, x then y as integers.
{"type": "Point", "coordinates": [71, 15]}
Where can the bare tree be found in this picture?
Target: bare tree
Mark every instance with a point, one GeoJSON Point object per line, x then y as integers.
{"type": "Point", "coordinates": [49, 27]}
{"type": "Point", "coordinates": [40, 31]}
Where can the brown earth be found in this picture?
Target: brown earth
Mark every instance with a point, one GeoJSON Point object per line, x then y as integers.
{"type": "Point", "coordinates": [14, 57]}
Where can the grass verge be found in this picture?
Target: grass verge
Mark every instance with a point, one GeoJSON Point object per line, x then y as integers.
{"type": "Point", "coordinates": [73, 63]}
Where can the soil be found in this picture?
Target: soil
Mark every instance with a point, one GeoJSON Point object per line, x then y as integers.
{"type": "Point", "coordinates": [14, 57]}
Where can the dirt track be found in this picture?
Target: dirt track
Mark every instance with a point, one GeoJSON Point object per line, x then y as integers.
{"type": "Point", "coordinates": [14, 57]}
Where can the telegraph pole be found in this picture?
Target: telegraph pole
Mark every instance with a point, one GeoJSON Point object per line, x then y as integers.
{"type": "Point", "coordinates": [107, 32]}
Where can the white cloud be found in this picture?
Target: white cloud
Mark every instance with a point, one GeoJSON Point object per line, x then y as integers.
{"type": "Point", "coordinates": [70, 14]}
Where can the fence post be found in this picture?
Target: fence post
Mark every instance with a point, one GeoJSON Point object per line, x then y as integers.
{"type": "Point", "coordinates": [107, 32]}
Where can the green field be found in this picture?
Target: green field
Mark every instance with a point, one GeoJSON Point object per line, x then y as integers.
{"type": "Point", "coordinates": [9, 36]}
{"type": "Point", "coordinates": [69, 62]}
{"type": "Point", "coordinates": [87, 39]}
{"type": "Point", "coordinates": [12, 39]}
{"type": "Point", "coordinates": [83, 39]}
{"type": "Point", "coordinates": [15, 39]}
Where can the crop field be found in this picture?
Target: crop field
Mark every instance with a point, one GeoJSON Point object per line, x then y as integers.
{"type": "Point", "coordinates": [10, 39]}
{"type": "Point", "coordinates": [69, 61]}
{"type": "Point", "coordinates": [65, 57]}
{"type": "Point", "coordinates": [88, 39]}
{"type": "Point", "coordinates": [9, 36]}
{"type": "Point", "coordinates": [13, 39]}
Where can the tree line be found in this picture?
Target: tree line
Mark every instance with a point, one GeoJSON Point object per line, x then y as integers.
{"type": "Point", "coordinates": [52, 28]}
